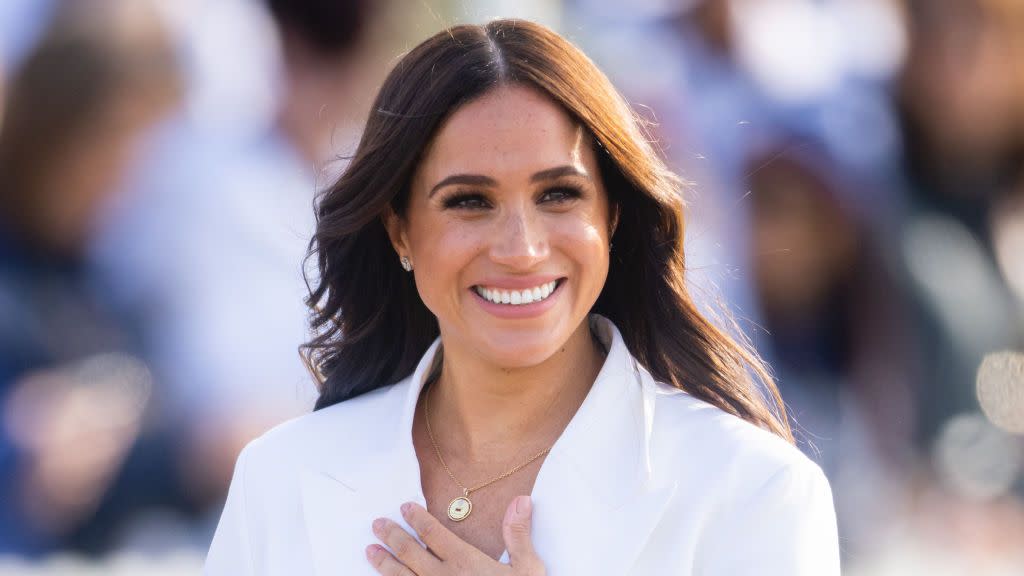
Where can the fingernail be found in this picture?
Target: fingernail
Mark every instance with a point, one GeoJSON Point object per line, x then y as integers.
{"type": "Point", "coordinates": [378, 524]}
{"type": "Point", "coordinates": [372, 550]}
{"type": "Point", "coordinates": [523, 505]}
{"type": "Point", "coordinates": [406, 508]}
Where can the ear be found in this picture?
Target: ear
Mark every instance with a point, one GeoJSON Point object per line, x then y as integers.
{"type": "Point", "coordinates": [395, 226]}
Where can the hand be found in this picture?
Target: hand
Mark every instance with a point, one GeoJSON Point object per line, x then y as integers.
{"type": "Point", "coordinates": [50, 415]}
{"type": "Point", "coordinates": [449, 555]}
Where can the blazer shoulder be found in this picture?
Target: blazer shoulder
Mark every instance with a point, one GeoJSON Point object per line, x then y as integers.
{"type": "Point", "coordinates": [739, 454]}
{"type": "Point", "coordinates": [309, 437]}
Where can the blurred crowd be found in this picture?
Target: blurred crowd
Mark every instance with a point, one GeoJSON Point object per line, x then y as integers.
{"type": "Point", "coordinates": [855, 200]}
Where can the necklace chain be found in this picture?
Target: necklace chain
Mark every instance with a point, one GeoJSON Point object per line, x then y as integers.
{"type": "Point", "coordinates": [466, 491]}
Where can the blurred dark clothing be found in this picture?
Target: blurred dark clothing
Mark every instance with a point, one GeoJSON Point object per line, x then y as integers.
{"type": "Point", "coordinates": [48, 311]}
{"type": "Point", "coordinates": [52, 316]}
{"type": "Point", "coordinates": [47, 317]}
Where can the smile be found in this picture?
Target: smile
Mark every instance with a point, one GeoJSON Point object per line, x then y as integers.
{"type": "Point", "coordinates": [517, 297]}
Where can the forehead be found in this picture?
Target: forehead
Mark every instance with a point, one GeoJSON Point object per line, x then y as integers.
{"type": "Point", "coordinates": [508, 133]}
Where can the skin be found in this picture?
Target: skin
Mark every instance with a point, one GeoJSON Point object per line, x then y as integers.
{"type": "Point", "coordinates": [508, 387]}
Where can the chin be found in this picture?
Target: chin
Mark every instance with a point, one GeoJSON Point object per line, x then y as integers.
{"type": "Point", "coordinates": [520, 352]}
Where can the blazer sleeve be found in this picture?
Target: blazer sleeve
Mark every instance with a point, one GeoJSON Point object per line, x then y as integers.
{"type": "Point", "coordinates": [230, 552]}
{"type": "Point", "coordinates": [787, 527]}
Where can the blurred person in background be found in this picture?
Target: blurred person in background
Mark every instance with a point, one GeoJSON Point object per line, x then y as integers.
{"type": "Point", "coordinates": [322, 45]}
{"type": "Point", "coordinates": [207, 245]}
{"type": "Point", "coordinates": [961, 108]}
{"type": "Point", "coordinates": [835, 318]}
{"type": "Point", "coordinates": [72, 395]}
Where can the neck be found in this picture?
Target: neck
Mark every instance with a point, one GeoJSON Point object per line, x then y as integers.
{"type": "Point", "coordinates": [483, 413]}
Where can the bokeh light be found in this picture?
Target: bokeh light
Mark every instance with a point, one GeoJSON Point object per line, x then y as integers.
{"type": "Point", "coordinates": [1001, 390]}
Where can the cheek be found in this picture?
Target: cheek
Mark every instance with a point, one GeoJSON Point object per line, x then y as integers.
{"type": "Point", "coordinates": [444, 249]}
{"type": "Point", "coordinates": [580, 235]}
{"type": "Point", "coordinates": [583, 241]}
{"type": "Point", "coordinates": [447, 248]}
{"type": "Point", "coordinates": [447, 233]}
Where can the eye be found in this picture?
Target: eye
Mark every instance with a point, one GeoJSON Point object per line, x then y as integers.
{"type": "Point", "coordinates": [464, 200]}
{"type": "Point", "coordinates": [562, 194]}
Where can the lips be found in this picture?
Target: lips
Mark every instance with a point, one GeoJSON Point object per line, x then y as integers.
{"type": "Point", "coordinates": [517, 297]}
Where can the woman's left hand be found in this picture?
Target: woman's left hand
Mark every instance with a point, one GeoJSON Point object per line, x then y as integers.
{"type": "Point", "coordinates": [449, 555]}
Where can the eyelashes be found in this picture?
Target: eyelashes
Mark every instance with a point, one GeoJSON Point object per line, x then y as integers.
{"type": "Point", "coordinates": [476, 201]}
{"type": "Point", "coordinates": [470, 200]}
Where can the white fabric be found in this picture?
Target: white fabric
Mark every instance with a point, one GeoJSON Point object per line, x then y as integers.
{"type": "Point", "coordinates": [644, 480]}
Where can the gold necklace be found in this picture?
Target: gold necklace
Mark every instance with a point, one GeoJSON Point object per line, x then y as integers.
{"type": "Point", "coordinates": [460, 507]}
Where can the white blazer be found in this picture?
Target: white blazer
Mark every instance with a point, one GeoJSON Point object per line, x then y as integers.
{"type": "Point", "coordinates": [644, 480]}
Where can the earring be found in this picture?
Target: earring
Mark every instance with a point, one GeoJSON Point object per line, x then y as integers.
{"type": "Point", "coordinates": [406, 263]}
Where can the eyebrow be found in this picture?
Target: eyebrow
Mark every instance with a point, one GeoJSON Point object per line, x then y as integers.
{"type": "Point", "coordinates": [481, 180]}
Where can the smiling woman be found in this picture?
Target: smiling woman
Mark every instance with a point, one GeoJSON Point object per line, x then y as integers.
{"type": "Point", "coordinates": [497, 210]}
{"type": "Point", "coordinates": [506, 345]}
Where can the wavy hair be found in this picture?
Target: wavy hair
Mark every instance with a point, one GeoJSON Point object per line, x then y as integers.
{"type": "Point", "coordinates": [370, 326]}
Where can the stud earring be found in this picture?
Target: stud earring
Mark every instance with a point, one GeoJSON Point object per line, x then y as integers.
{"type": "Point", "coordinates": [406, 264]}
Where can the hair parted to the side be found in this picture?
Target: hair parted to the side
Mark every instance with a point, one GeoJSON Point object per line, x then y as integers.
{"type": "Point", "coordinates": [371, 326]}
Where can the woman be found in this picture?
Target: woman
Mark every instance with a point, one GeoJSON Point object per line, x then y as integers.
{"type": "Point", "coordinates": [507, 346]}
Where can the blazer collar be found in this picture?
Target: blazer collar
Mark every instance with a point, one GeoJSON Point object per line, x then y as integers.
{"type": "Point", "coordinates": [595, 499]}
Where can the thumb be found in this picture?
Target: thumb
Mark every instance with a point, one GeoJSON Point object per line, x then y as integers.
{"type": "Point", "coordinates": [516, 529]}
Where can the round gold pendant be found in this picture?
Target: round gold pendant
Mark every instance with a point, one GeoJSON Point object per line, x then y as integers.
{"type": "Point", "coordinates": [459, 508]}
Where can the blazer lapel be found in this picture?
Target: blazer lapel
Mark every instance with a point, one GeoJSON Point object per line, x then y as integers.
{"type": "Point", "coordinates": [595, 500]}
{"type": "Point", "coordinates": [364, 478]}
{"type": "Point", "coordinates": [338, 518]}
{"type": "Point", "coordinates": [595, 503]}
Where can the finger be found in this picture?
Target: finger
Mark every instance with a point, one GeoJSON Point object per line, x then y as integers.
{"type": "Point", "coordinates": [516, 530]}
{"type": "Point", "coordinates": [384, 563]}
{"type": "Point", "coordinates": [441, 541]}
{"type": "Point", "coordinates": [405, 548]}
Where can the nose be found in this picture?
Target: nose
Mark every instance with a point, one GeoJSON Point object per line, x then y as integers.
{"type": "Point", "coordinates": [520, 242]}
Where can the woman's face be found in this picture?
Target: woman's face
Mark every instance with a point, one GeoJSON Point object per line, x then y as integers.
{"type": "Point", "coordinates": [507, 201]}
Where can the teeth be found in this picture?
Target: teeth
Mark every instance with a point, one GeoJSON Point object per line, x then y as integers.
{"type": "Point", "coordinates": [517, 297]}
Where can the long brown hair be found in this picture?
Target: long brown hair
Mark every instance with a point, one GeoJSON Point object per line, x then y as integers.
{"type": "Point", "coordinates": [372, 328]}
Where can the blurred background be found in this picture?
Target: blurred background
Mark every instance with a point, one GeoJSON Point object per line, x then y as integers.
{"type": "Point", "coordinates": [857, 203]}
